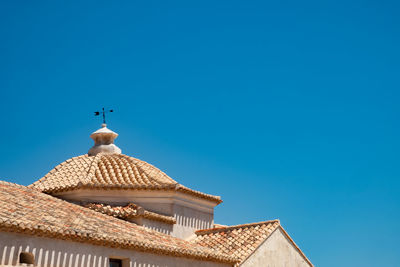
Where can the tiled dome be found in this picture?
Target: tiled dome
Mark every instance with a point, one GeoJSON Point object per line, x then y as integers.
{"type": "Point", "coordinates": [110, 171]}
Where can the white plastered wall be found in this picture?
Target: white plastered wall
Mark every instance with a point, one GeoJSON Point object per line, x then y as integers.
{"type": "Point", "coordinates": [162, 227]}
{"type": "Point", "coordinates": [189, 220]}
{"type": "Point", "coordinates": [276, 251]}
{"type": "Point", "coordinates": [60, 253]}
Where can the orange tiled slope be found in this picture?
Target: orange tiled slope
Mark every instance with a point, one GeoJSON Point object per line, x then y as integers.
{"type": "Point", "coordinates": [31, 212]}
{"type": "Point", "coordinates": [130, 211]}
{"type": "Point", "coordinates": [112, 171]}
{"type": "Point", "coordinates": [240, 241]}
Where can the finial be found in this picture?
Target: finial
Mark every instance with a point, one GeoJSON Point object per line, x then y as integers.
{"type": "Point", "coordinates": [104, 138]}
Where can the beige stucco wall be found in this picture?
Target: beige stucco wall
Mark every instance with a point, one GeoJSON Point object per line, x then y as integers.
{"type": "Point", "coordinates": [61, 253]}
{"type": "Point", "coordinates": [276, 251]}
{"type": "Point", "coordinates": [162, 227]}
{"type": "Point", "coordinates": [188, 220]}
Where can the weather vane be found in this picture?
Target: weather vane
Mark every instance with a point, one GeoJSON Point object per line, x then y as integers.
{"type": "Point", "coordinates": [97, 113]}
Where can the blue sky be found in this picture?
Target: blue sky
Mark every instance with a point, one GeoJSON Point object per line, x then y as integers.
{"type": "Point", "coordinates": [287, 109]}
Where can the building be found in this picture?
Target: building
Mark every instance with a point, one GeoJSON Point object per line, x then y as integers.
{"type": "Point", "coordinates": [109, 209]}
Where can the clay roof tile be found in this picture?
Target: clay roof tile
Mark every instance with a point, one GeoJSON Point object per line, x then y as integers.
{"type": "Point", "coordinates": [110, 171]}
{"type": "Point", "coordinates": [43, 215]}
{"type": "Point", "coordinates": [240, 240]}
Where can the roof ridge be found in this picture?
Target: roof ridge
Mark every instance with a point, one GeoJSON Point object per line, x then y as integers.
{"type": "Point", "coordinates": [13, 184]}
{"type": "Point", "coordinates": [233, 227]}
{"type": "Point", "coordinates": [111, 210]}
{"type": "Point", "coordinates": [92, 168]}
{"type": "Point", "coordinates": [159, 217]}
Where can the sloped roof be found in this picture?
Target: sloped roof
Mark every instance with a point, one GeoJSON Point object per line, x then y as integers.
{"type": "Point", "coordinates": [110, 171]}
{"type": "Point", "coordinates": [130, 211]}
{"type": "Point", "coordinates": [31, 212]}
{"type": "Point", "coordinates": [240, 241]}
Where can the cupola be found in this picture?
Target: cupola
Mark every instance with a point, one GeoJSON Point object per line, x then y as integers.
{"type": "Point", "coordinates": [104, 142]}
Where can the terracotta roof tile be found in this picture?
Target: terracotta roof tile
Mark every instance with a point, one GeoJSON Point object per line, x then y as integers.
{"type": "Point", "coordinates": [130, 211]}
{"type": "Point", "coordinates": [239, 240]}
{"type": "Point", "coordinates": [31, 212]}
{"type": "Point", "coordinates": [110, 171]}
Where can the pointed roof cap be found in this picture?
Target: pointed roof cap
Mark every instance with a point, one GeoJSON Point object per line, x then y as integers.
{"type": "Point", "coordinates": [103, 130]}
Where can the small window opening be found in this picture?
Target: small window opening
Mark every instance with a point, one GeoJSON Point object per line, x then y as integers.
{"type": "Point", "coordinates": [115, 263]}
{"type": "Point", "coordinates": [26, 257]}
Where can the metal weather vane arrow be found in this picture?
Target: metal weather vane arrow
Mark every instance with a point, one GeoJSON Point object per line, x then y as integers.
{"type": "Point", "coordinates": [103, 112]}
